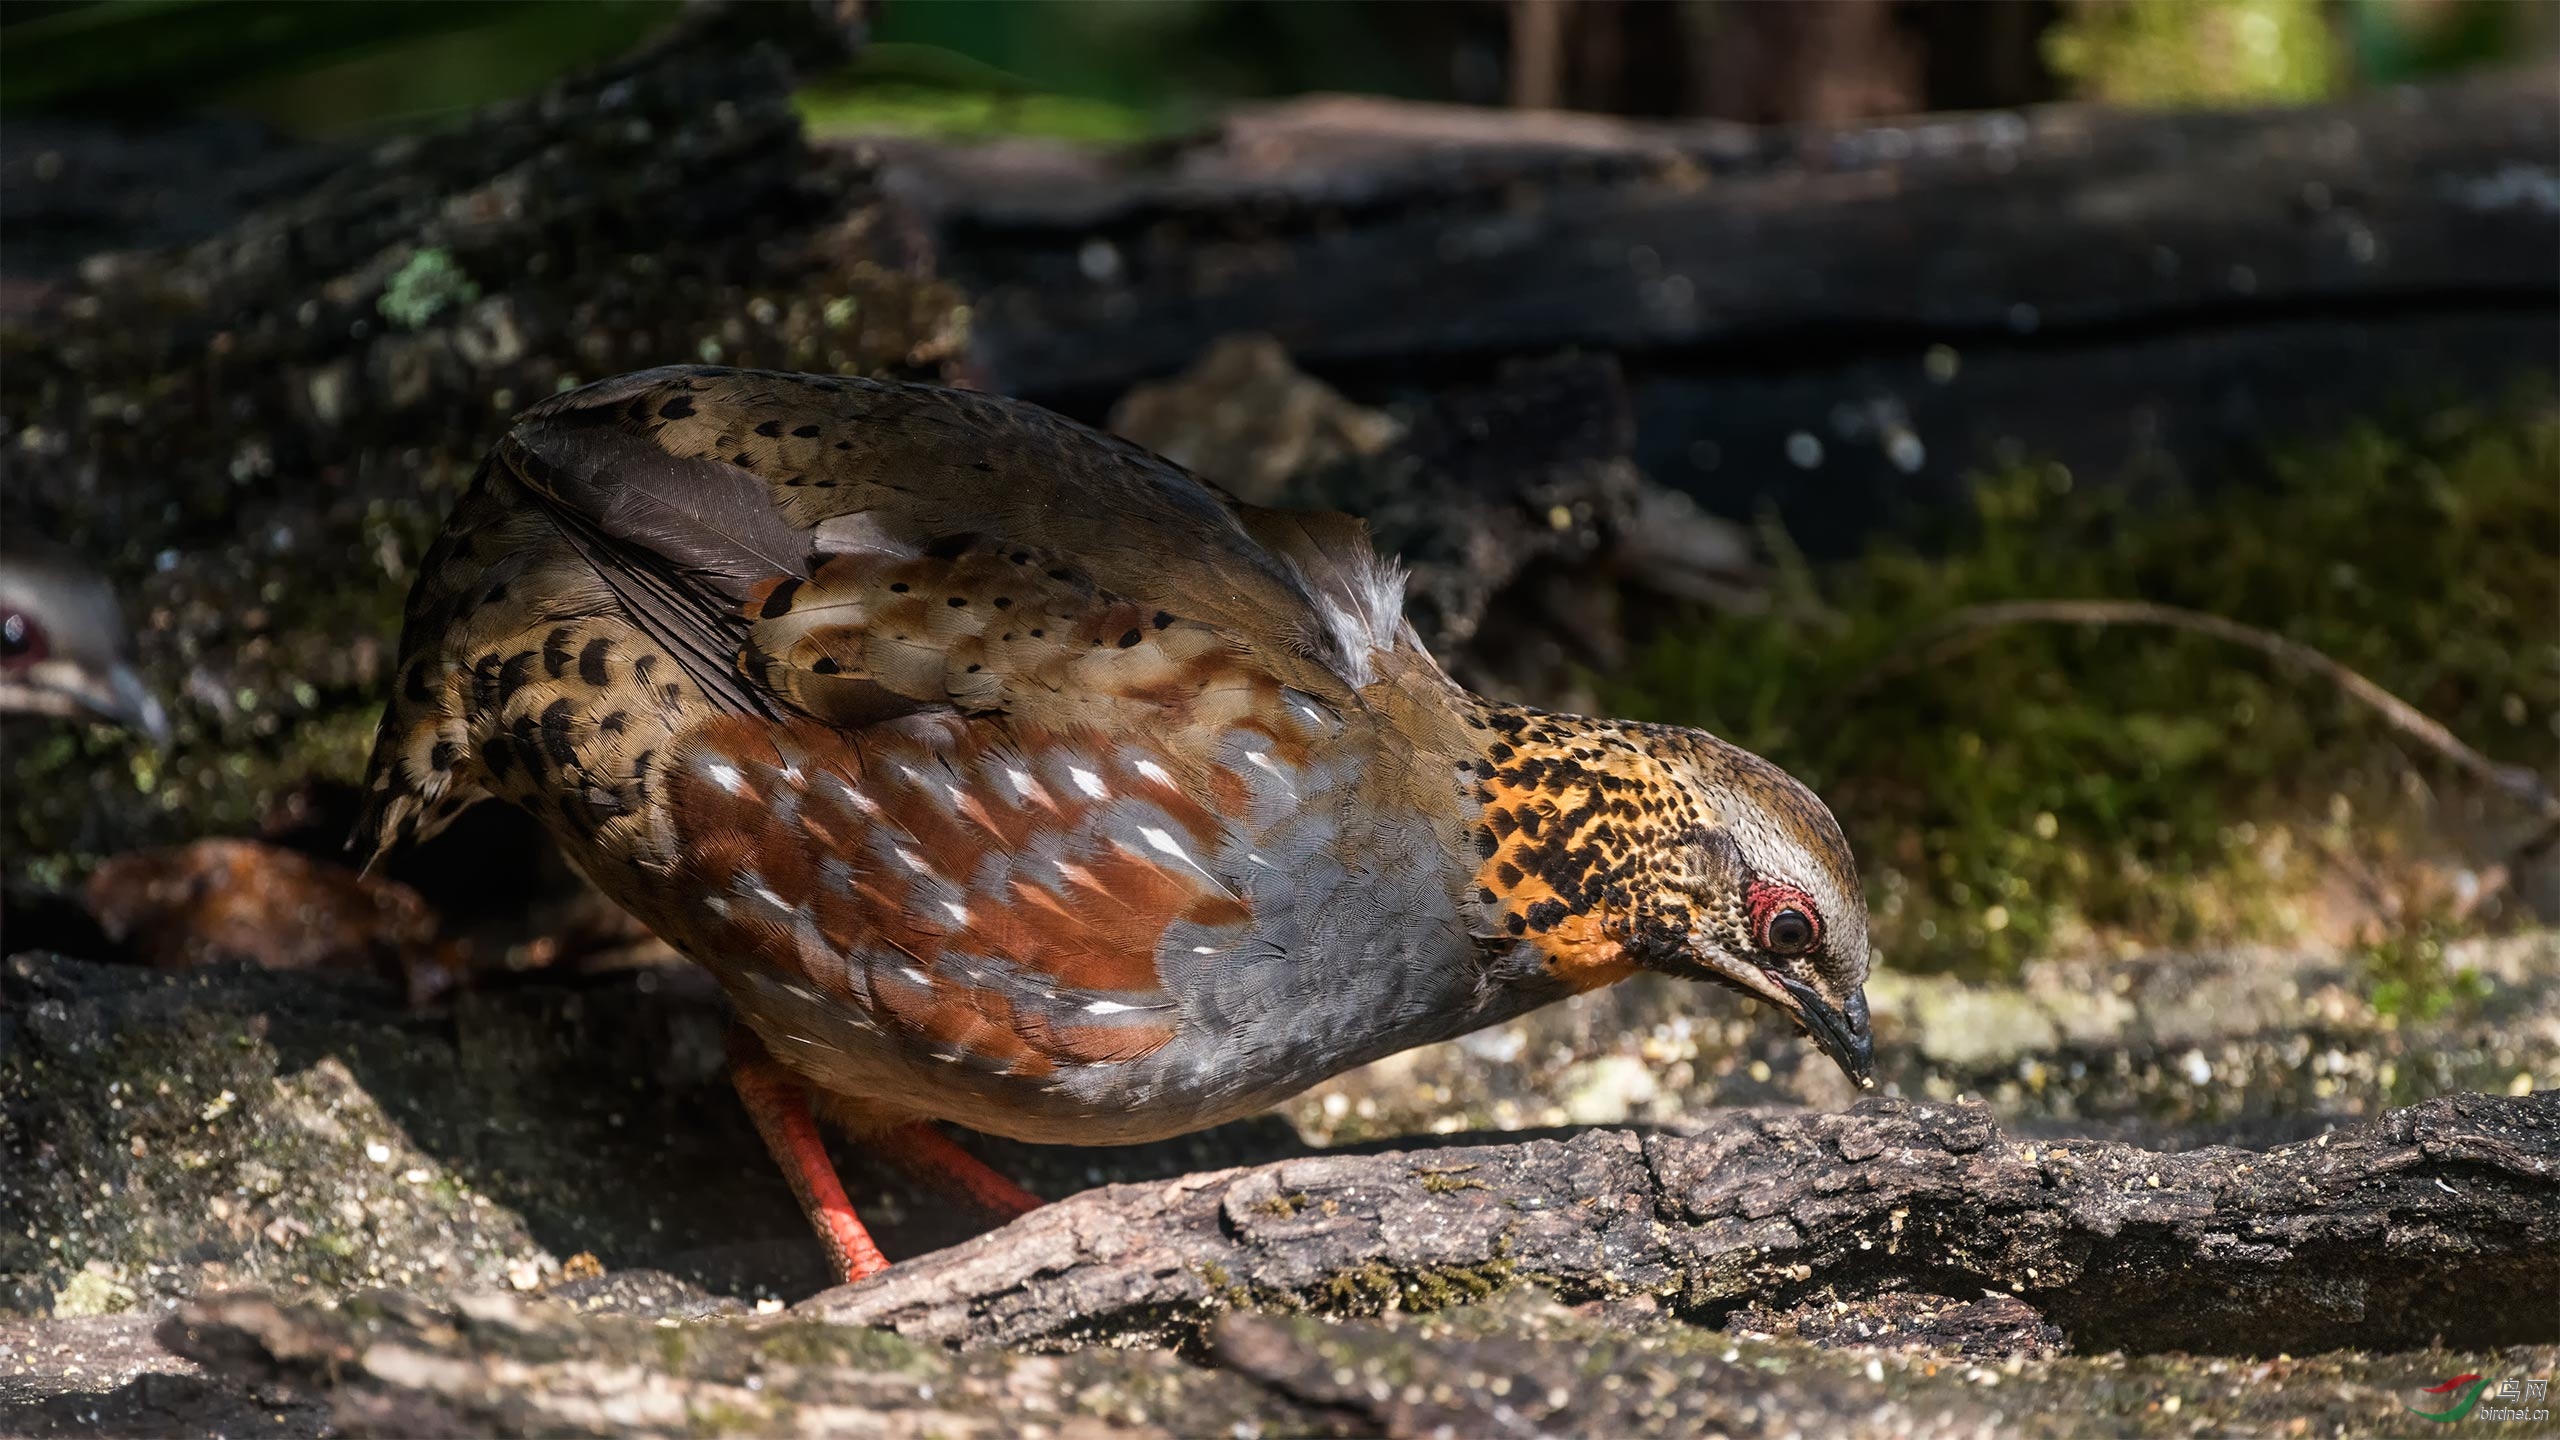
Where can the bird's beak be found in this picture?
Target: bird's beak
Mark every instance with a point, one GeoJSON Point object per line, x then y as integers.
{"type": "Point", "coordinates": [1842, 1033]}
{"type": "Point", "coordinates": [135, 706]}
{"type": "Point", "coordinates": [115, 695]}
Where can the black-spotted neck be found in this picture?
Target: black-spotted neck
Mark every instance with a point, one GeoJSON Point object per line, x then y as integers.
{"type": "Point", "coordinates": [1585, 837]}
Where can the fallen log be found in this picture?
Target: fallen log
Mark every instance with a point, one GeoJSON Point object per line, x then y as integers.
{"type": "Point", "coordinates": [2431, 1224]}
{"type": "Point", "coordinates": [1365, 231]}
{"type": "Point", "coordinates": [1841, 321]}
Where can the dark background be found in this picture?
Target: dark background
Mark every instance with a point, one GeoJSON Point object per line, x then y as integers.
{"type": "Point", "coordinates": [1157, 66]}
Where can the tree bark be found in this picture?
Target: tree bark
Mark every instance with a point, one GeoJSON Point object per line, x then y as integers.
{"type": "Point", "coordinates": [2431, 1224]}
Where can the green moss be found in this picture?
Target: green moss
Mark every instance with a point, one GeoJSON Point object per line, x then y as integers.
{"type": "Point", "coordinates": [837, 1346]}
{"type": "Point", "coordinates": [1456, 1285]}
{"type": "Point", "coordinates": [95, 1290]}
{"type": "Point", "coordinates": [1375, 1288]}
{"type": "Point", "coordinates": [1226, 1292]}
{"type": "Point", "coordinates": [427, 286]}
{"type": "Point", "coordinates": [2140, 782]}
{"type": "Point", "coordinates": [1364, 1290]}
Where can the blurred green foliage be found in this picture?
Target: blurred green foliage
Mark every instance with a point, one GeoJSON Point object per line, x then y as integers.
{"type": "Point", "coordinates": [2409, 981]}
{"type": "Point", "coordinates": [2056, 781]}
{"type": "Point", "coordinates": [902, 89]}
{"type": "Point", "coordinates": [1098, 69]}
{"type": "Point", "coordinates": [1175, 61]}
{"type": "Point", "coordinates": [2240, 52]}
{"type": "Point", "coordinates": [1080, 69]}
{"type": "Point", "coordinates": [842, 108]}
{"type": "Point", "coordinates": [307, 66]}
{"type": "Point", "coordinates": [2391, 41]}
{"type": "Point", "coordinates": [2195, 52]}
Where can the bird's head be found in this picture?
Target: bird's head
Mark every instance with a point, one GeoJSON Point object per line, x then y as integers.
{"type": "Point", "coordinates": [1615, 847]}
{"type": "Point", "coordinates": [64, 648]}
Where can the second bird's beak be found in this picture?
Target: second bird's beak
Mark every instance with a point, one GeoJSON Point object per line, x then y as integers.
{"type": "Point", "coordinates": [115, 695]}
{"type": "Point", "coordinates": [1842, 1033]}
{"type": "Point", "coordinates": [135, 706]}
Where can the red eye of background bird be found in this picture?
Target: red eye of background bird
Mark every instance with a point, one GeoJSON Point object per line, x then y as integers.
{"type": "Point", "coordinates": [21, 641]}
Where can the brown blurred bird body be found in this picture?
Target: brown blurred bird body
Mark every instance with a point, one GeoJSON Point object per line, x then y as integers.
{"type": "Point", "coordinates": [1009, 776]}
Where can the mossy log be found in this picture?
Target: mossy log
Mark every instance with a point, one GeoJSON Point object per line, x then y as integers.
{"type": "Point", "coordinates": [2424, 1224]}
{"type": "Point", "coordinates": [2428, 1225]}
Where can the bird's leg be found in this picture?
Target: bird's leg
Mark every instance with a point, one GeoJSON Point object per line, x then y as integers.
{"type": "Point", "coordinates": [937, 1159]}
{"type": "Point", "coordinates": [779, 1104]}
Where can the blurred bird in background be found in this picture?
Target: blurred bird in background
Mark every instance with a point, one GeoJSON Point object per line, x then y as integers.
{"type": "Point", "coordinates": [65, 649]}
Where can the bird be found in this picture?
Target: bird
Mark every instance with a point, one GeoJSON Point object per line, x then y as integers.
{"type": "Point", "coordinates": [65, 649]}
{"type": "Point", "coordinates": [1008, 776]}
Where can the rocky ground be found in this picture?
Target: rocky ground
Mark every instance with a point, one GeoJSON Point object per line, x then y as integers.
{"type": "Point", "coordinates": [1519, 1365]}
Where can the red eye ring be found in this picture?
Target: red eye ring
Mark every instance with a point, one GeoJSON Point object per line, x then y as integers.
{"type": "Point", "coordinates": [1783, 913]}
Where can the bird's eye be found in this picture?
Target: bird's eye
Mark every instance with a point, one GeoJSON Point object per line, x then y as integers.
{"type": "Point", "coordinates": [1791, 932]}
{"type": "Point", "coordinates": [21, 641]}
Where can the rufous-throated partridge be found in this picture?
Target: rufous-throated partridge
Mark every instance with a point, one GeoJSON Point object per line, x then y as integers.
{"type": "Point", "coordinates": [1008, 775]}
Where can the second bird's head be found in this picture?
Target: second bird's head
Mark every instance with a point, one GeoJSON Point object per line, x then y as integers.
{"type": "Point", "coordinates": [64, 648]}
{"type": "Point", "coordinates": [1616, 847]}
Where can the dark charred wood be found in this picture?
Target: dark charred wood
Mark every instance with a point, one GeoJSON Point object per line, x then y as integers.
{"type": "Point", "coordinates": [1432, 236]}
{"type": "Point", "coordinates": [2098, 285]}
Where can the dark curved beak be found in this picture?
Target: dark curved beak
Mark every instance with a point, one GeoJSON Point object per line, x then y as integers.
{"type": "Point", "coordinates": [1842, 1033]}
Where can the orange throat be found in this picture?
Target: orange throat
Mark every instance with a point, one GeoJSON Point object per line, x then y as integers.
{"type": "Point", "coordinates": [1581, 953]}
{"type": "Point", "coordinates": [1567, 804]}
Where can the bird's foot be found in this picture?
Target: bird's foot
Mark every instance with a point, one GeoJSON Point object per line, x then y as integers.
{"type": "Point", "coordinates": [779, 1104]}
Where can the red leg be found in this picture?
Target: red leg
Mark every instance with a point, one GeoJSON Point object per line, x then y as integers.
{"type": "Point", "coordinates": [936, 1158]}
{"type": "Point", "coordinates": [779, 1104]}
